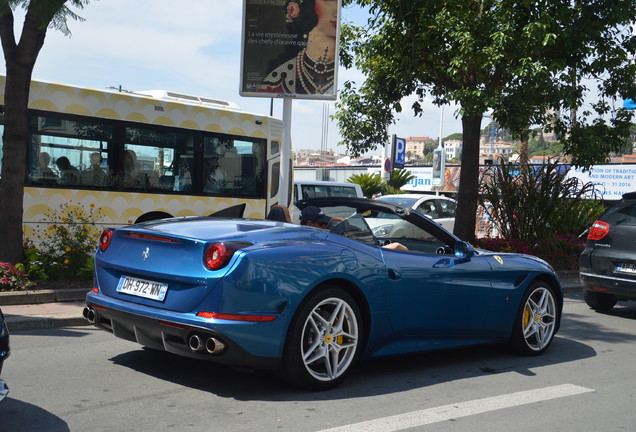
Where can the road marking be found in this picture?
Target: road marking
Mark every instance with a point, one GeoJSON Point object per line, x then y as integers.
{"type": "Point", "coordinates": [461, 409]}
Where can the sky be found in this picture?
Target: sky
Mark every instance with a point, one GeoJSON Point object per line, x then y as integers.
{"type": "Point", "coordinates": [194, 47]}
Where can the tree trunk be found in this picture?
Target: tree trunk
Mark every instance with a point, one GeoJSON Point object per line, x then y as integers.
{"type": "Point", "coordinates": [468, 194]}
{"type": "Point", "coordinates": [20, 60]}
{"type": "Point", "coordinates": [14, 141]}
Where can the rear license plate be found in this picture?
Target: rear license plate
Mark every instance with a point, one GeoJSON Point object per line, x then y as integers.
{"type": "Point", "coordinates": [626, 268]}
{"type": "Point", "coordinates": [142, 288]}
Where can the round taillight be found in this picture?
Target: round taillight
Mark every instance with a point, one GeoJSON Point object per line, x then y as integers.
{"type": "Point", "coordinates": [598, 230]}
{"type": "Point", "coordinates": [105, 239]}
{"type": "Point", "coordinates": [216, 256]}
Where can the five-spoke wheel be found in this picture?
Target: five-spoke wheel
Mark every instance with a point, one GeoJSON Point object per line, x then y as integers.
{"type": "Point", "coordinates": [535, 325]}
{"type": "Point", "coordinates": [323, 341]}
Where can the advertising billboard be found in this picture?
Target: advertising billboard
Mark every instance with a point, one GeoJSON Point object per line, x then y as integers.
{"type": "Point", "coordinates": [290, 48]}
{"type": "Point", "coordinates": [439, 164]}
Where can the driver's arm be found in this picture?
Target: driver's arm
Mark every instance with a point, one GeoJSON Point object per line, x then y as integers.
{"type": "Point", "coordinates": [396, 246]}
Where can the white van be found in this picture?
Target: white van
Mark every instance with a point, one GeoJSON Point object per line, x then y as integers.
{"type": "Point", "coordinates": [306, 189]}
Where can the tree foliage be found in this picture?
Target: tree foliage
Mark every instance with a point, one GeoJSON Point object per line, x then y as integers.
{"type": "Point", "coordinates": [20, 57]}
{"type": "Point", "coordinates": [371, 184]}
{"type": "Point", "coordinates": [400, 178]}
{"type": "Point", "coordinates": [523, 61]}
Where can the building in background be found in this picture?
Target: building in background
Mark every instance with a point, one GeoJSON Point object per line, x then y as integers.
{"type": "Point", "coordinates": [416, 145]}
{"type": "Point", "coordinates": [453, 149]}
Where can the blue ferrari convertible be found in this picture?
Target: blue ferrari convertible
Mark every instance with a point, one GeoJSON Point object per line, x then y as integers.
{"type": "Point", "coordinates": [311, 300]}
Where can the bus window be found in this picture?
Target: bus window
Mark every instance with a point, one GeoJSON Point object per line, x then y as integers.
{"type": "Point", "coordinates": [123, 144]}
{"type": "Point", "coordinates": [149, 158]}
{"type": "Point", "coordinates": [61, 150]}
{"type": "Point", "coordinates": [233, 166]}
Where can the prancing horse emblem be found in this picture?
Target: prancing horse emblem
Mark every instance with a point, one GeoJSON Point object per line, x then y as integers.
{"type": "Point", "coordinates": [145, 254]}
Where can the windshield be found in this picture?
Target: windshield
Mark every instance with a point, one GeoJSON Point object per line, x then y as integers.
{"type": "Point", "coordinates": [403, 201]}
{"type": "Point", "coordinates": [376, 226]}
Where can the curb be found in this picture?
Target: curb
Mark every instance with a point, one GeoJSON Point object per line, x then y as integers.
{"type": "Point", "coordinates": [42, 322]}
{"type": "Point", "coordinates": [10, 298]}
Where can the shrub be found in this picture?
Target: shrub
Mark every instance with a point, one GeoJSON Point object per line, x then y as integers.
{"type": "Point", "coordinates": [12, 278]}
{"type": "Point", "coordinates": [371, 184]}
{"type": "Point", "coordinates": [65, 247]}
{"type": "Point", "coordinates": [562, 254]}
{"type": "Point", "coordinates": [536, 204]}
{"type": "Point", "coordinates": [399, 179]}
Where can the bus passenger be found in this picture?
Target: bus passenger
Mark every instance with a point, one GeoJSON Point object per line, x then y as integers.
{"type": "Point", "coordinates": [215, 177]}
{"type": "Point", "coordinates": [95, 175]}
{"type": "Point", "coordinates": [68, 173]}
{"type": "Point", "coordinates": [131, 171]}
{"type": "Point", "coordinates": [45, 175]}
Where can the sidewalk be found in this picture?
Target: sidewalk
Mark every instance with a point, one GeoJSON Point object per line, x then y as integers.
{"type": "Point", "coordinates": [43, 309]}
{"type": "Point", "coordinates": [64, 308]}
{"type": "Point", "coordinates": [44, 315]}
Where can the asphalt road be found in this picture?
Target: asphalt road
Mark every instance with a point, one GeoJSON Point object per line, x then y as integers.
{"type": "Point", "coordinates": [83, 379]}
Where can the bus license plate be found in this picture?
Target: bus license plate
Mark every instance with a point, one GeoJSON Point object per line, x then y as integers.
{"type": "Point", "coordinates": [142, 288]}
{"type": "Point", "coordinates": [626, 268]}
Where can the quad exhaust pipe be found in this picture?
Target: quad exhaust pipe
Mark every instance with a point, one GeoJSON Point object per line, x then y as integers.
{"type": "Point", "coordinates": [214, 346]}
{"type": "Point", "coordinates": [211, 345]}
{"type": "Point", "coordinates": [89, 315]}
{"type": "Point", "coordinates": [196, 343]}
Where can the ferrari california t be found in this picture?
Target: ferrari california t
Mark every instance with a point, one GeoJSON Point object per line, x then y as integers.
{"type": "Point", "coordinates": [310, 302]}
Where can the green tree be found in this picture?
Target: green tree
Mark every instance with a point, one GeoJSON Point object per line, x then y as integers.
{"type": "Point", "coordinates": [20, 57]}
{"type": "Point", "coordinates": [521, 60]}
{"type": "Point", "coordinates": [400, 178]}
{"type": "Point", "coordinates": [456, 136]}
{"type": "Point", "coordinates": [370, 184]}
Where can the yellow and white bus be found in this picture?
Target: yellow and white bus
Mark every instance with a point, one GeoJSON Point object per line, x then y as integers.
{"type": "Point", "coordinates": [146, 155]}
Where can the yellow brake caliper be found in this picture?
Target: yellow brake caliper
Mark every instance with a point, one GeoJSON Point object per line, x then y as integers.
{"type": "Point", "coordinates": [526, 317]}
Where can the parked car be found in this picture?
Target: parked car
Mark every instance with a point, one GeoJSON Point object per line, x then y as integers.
{"type": "Point", "coordinates": [311, 302]}
{"type": "Point", "coordinates": [607, 266]}
{"type": "Point", "coordinates": [308, 189]}
{"type": "Point", "coordinates": [437, 207]}
{"type": "Point", "coordinates": [4, 353]}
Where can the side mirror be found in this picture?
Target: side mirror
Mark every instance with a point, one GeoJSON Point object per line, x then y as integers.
{"type": "Point", "coordinates": [463, 250]}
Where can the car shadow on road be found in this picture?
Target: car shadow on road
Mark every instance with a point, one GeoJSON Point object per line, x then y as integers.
{"type": "Point", "coordinates": [369, 378]}
{"type": "Point", "coordinates": [16, 415]}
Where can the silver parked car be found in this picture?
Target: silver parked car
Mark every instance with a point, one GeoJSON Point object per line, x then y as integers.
{"type": "Point", "coordinates": [437, 207]}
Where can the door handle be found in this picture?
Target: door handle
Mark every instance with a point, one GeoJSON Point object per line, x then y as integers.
{"type": "Point", "coordinates": [394, 275]}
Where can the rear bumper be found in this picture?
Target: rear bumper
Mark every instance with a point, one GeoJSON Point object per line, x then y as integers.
{"type": "Point", "coordinates": [621, 287]}
{"type": "Point", "coordinates": [172, 333]}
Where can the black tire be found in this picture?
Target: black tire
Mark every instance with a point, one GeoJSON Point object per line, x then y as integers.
{"type": "Point", "coordinates": [324, 340]}
{"type": "Point", "coordinates": [599, 301]}
{"type": "Point", "coordinates": [536, 322]}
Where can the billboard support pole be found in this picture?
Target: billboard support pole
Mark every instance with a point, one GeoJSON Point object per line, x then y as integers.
{"type": "Point", "coordinates": [285, 151]}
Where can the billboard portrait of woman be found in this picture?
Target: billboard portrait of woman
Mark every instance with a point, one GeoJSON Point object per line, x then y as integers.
{"type": "Point", "coordinates": [290, 49]}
